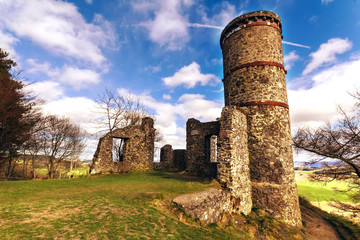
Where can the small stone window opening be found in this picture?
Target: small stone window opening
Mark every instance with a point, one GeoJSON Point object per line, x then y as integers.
{"type": "Point", "coordinates": [157, 153]}
{"type": "Point", "coordinates": [118, 149]}
{"type": "Point", "coordinates": [211, 148]}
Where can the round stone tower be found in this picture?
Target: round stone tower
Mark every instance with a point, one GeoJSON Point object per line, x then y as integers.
{"type": "Point", "coordinates": [254, 78]}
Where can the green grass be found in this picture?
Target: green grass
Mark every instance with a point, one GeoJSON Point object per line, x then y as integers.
{"type": "Point", "coordinates": [100, 207]}
{"type": "Point", "coordinates": [320, 192]}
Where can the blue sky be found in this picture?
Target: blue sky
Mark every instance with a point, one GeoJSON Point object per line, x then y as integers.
{"type": "Point", "coordinates": [168, 54]}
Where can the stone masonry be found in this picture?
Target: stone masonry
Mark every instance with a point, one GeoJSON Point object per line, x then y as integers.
{"type": "Point", "coordinates": [233, 169]}
{"type": "Point", "coordinates": [253, 149]}
{"type": "Point", "coordinates": [138, 149]}
{"type": "Point", "coordinates": [198, 150]}
{"type": "Point", "coordinates": [167, 156]}
{"type": "Point", "coordinates": [180, 159]}
{"type": "Point", "coordinates": [254, 79]}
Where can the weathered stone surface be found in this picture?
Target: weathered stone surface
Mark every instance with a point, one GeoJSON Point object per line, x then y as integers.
{"type": "Point", "coordinates": [138, 149]}
{"type": "Point", "coordinates": [253, 73]}
{"type": "Point", "coordinates": [198, 155]}
{"type": "Point", "coordinates": [208, 206]}
{"type": "Point", "coordinates": [167, 156]}
{"type": "Point", "coordinates": [180, 159]}
{"type": "Point", "coordinates": [233, 158]}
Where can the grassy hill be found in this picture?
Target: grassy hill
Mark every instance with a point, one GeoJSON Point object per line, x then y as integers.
{"type": "Point", "coordinates": [129, 206]}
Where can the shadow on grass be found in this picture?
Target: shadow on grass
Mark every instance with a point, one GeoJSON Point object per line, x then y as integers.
{"type": "Point", "coordinates": [179, 176]}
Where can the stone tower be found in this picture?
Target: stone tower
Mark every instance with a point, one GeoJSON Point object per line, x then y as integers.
{"type": "Point", "coordinates": [254, 81]}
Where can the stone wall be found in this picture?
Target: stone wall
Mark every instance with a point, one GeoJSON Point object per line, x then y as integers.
{"type": "Point", "coordinates": [138, 151]}
{"type": "Point", "coordinates": [198, 153]}
{"type": "Point", "coordinates": [180, 159]}
{"type": "Point", "coordinates": [208, 206]}
{"type": "Point", "coordinates": [171, 159]}
{"type": "Point", "coordinates": [167, 156]}
{"type": "Point", "coordinates": [233, 159]}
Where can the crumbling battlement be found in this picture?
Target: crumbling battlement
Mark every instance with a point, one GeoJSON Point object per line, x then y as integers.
{"type": "Point", "coordinates": [138, 150]}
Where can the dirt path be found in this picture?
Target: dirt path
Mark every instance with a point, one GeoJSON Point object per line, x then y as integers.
{"type": "Point", "coordinates": [316, 226]}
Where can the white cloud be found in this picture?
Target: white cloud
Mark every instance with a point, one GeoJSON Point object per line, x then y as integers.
{"type": "Point", "coordinates": [88, 1]}
{"type": "Point", "coordinates": [58, 27]}
{"type": "Point", "coordinates": [168, 27]}
{"type": "Point", "coordinates": [189, 76]}
{"type": "Point", "coordinates": [79, 109]}
{"type": "Point", "coordinates": [75, 77]}
{"type": "Point", "coordinates": [224, 16]}
{"type": "Point", "coordinates": [7, 42]}
{"type": "Point", "coordinates": [327, 53]}
{"type": "Point", "coordinates": [196, 106]}
{"type": "Point", "coordinates": [290, 59]}
{"type": "Point", "coordinates": [326, 2]}
{"type": "Point", "coordinates": [45, 67]}
{"type": "Point", "coordinates": [166, 96]}
{"type": "Point", "coordinates": [46, 89]}
{"type": "Point", "coordinates": [316, 105]}
{"type": "Point", "coordinates": [79, 78]}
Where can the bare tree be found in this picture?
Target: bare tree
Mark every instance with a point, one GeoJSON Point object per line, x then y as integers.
{"type": "Point", "coordinates": [337, 146]}
{"type": "Point", "coordinates": [118, 111]}
{"type": "Point", "coordinates": [59, 139]}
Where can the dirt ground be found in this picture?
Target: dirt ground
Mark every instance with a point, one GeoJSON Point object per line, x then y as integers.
{"type": "Point", "coordinates": [317, 227]}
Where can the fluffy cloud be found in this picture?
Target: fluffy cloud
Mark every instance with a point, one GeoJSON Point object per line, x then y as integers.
{"type": "Point", "coordinates": [58, 27]}
{"type": "Point", "coordinates": [46, 89]}
{"type": "Point", "coordinates": [45, 67]}
{"type": "Point", "coordinates": [75, 77]}
{"type": "Point", "coordinates": [189, 76]}
{"type": "Point", "coordinates": [168, 27]}
{"type": "Point", "coordinates": [79, 78]}
{"type": "Point", "coordinates": [330, 87]}
{"type": "Point", "coordinates": [79, 109]}
{"type": "Point", "coordinates": [7, 42]}
{"type": "Point", "coordinates": [290, 59]}
{"type": "Point", "coordinates": [166, 97]}
{"type": "Point", "coordinates": [327, 53]}
{"type": "Point", "coordinates": [226, 12]}
{"type": "Point", "coordinates": [196, 106]}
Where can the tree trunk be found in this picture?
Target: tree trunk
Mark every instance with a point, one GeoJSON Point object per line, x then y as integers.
{"type": "Point", "coordinates": [33, 166]}
{"type": "Point", "coordinates": [8, 174]}
{"type": "Point", "coordinates": [51, 169]}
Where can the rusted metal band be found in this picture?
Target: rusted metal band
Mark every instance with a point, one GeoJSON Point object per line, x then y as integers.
{"type": "Point", "coordinates": [273, 103]}
{"type": "Point", "coordinates": [258, 63]}
{"type": "Point", "coordinates": [260, 24]}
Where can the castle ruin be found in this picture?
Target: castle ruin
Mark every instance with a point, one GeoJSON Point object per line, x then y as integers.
{"type": "Point", "coordinates": [248, 150]}
{"type": "Point", "coordinates": [137, 152]}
